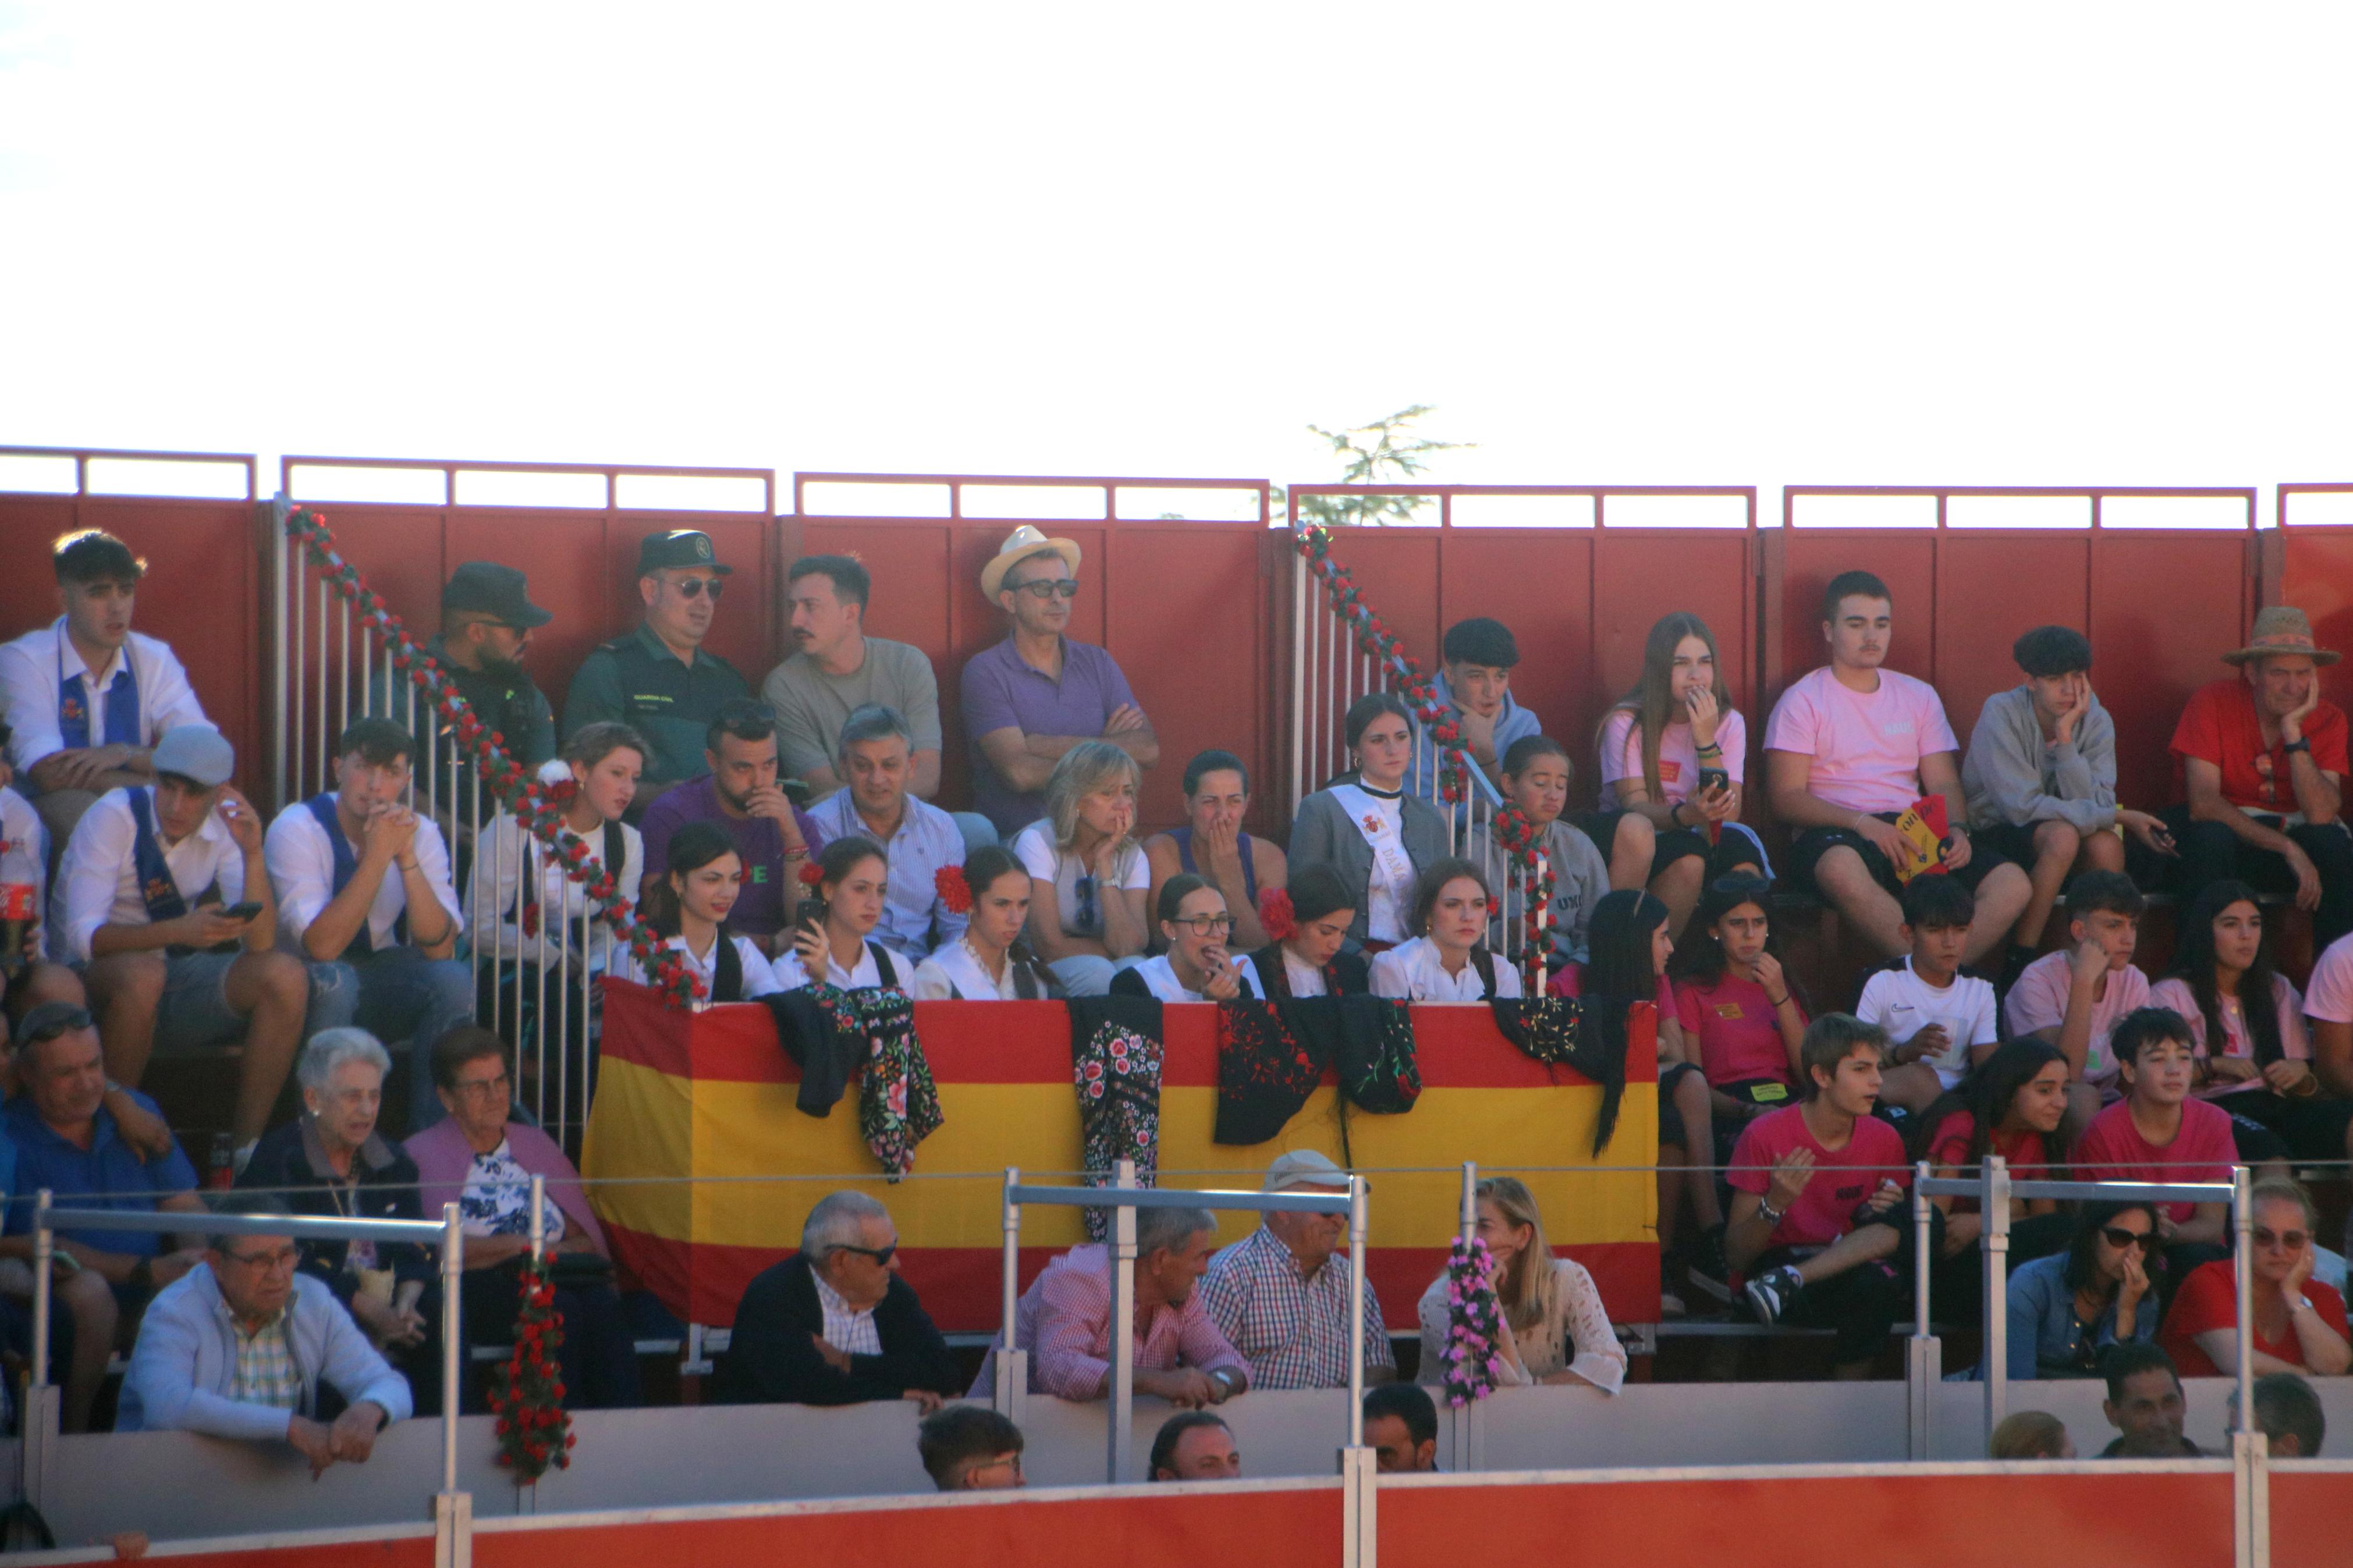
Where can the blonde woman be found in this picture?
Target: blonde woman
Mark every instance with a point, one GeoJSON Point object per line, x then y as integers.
{"type": "Point", "coordinates": [1088, 876]}
{"type": "Point", "coordinates": [1559, 1333]}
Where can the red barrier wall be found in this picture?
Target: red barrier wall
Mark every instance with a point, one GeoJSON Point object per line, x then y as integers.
{"type": "Point", "coordinates": [2316, 572]}
{"type": "Point", "coordinates": [2311, 1513]}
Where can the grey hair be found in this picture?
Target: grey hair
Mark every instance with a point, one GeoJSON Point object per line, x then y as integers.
{"type": "Point", "coordinates": [247, 1203]}
{"type": "Point", "coordinates": [836, 1221]}
{"type": "Point", "coordinates": [1156, 1229]}
{"type": "Point", "coordinates": [330, 1048]}
{"type": "Point", "coordinates": [873, 722]}
{"type": "Point", "coordinates": [1085, 768]}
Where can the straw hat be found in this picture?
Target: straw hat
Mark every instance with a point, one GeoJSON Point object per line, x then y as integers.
{"type": "Point", "coordinates": [2281, 628]}
{"type": "Point", "coordinates": [1020, 545]}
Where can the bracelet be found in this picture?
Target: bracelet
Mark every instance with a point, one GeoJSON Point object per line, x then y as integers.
{"type": "Point", "coordinates": [1767, 1213]}
{"type": "Point", "coordinates": [2304, 746]}
{"type": "Point", "coordinates": [1675, 815]}
{"type": "Point", "coordinates": [1778, 1001]}
{"type": "Point", "coordinates": [405, 865]}
{"type": "Point", "coordinates": [1710, 748]}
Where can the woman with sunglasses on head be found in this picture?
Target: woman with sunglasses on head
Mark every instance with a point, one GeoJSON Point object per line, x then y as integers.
{"type": "Point", "coordinates": [1372, 832]}
{"type": "Point", "coordinates": [1196, 967]}
{"type": "Point", "coordinates": [2299, 1322]}
{"type": "Point", "coordinates": [990, 962]}
{"type": "Point", "coordinates": [2067, 1309]}
{"type": "Point", "coordinates": [1088, 876]}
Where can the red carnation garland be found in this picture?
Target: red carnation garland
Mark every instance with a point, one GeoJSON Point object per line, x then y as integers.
{"type": "Point", "coordinates": [1515, 833]}
{"type": "Point", "coordinates": [539, 807]}
{"type": "Point", "coordinates": [535, 1430]}
{"type": "Point", "coordinates": [955, 893]}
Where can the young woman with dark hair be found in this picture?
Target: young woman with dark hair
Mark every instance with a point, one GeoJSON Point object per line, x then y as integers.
{"type": "Point", "coordinates": [1197, 966]}
{"type": "Point", "coordinates": [840, 948]}
{"type": "Point", "coordinates": [2067, 1308]}
{"type": "Point", "coordinates": [1447, 959]}
{"type": "Point", "coordinates": [2010, 1105]}
{"type": "Point", "coordinates": [688, 906]}
{"type": "Point", "coordinates": [1743, 1016]}
{"type": "Point", "coordinates": [990, 962]}
{"type": "Point", "coordinates": [1370, 829]}
{"type": "Point", "coordinates": [1309, 922]}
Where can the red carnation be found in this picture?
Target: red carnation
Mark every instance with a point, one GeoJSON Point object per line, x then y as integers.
{"type": "Point", "coordinates": [812, 874]}
{"type": "Point", "coordinates": [955, 893]}
{"type": "Point", "coordinates": [1274, 912]}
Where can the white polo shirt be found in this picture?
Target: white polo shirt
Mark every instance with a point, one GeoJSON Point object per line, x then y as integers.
{"type": "Point", "coordinates": [35, 667]}
{"type": "Point", "coordinates": [301, 862]}
{"type": "Point", "coordinates": [98, 875]}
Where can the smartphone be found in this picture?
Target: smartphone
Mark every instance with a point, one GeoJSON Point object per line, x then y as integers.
{"type": "Point", "coordinates": [244, 912]}
{"type": "Point", "coordinates": [809, 912]}
{"type": "Point", "coordinates": [1713, 778]}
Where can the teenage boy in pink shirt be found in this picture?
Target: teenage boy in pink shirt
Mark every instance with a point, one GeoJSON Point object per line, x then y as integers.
{"type": "Point", "coordinates": [1849, 748]}
{"type": "Point", "coordinates": [2157, 1132]}
{"type": "Point", "coordinates": [2074, 997]}
{"type": "Point", "coordinates": [2328, 1007]}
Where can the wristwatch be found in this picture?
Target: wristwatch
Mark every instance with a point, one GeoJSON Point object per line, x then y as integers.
{"type": "Point", "coordinates": [2302, 745]}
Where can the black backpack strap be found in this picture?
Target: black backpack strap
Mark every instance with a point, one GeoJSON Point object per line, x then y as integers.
{"type": "Point", "coordinates": [616, 850]}
{"type": "Point", "coordinates": [727, 972]}
{"type": "Point", "coordinates": [1484, 963]}
{"type": "Point", "coordinates": [885, 974]}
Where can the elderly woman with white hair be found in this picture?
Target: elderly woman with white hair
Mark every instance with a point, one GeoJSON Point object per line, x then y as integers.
{"type": "Point", "coordinates": [331, 1162]}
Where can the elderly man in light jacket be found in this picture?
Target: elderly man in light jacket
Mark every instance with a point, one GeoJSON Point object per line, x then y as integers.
{"type": "Point", "coordinates": [238, 1347]}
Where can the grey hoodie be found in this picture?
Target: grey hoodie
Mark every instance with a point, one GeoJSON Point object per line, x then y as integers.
{"type": "Point", "coordinates": [2011, 776]}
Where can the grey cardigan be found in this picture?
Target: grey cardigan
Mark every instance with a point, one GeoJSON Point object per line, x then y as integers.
{"type": "Point", "coordinates": [2011, 776]}
{"type": "Point", "coordinates": [1325, 834]}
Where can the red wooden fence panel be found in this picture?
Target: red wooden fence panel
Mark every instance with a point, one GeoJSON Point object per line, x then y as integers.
{"type": "Point", "coordinates": [2317, 570]}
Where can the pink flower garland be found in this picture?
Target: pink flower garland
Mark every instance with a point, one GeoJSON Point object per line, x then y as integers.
{"type": "Point", "coordinates": [1474, 1323]}
{"type": "Point", "coordinates": [539, 807]}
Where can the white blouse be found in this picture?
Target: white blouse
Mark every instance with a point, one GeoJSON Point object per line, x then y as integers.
{"type": "Point", "coordinates": [1159, 978]}
{"type": "Point", "coordinates": [1412, 972]}
{"type": "Point", "coordinates": [494, 890]}
{"type": "Point", "coordinates": [759, 975]}
{"type": "Point", "coordinates": [953, 972]}
{"type": "Point", "coordinates": [1304, 978]}
{"type": "Point", "coordinates": [1572, 1335]}
{"type": "Point", "coordinates": [863, 975]}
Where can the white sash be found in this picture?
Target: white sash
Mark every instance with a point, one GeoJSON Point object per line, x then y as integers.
{"type": "Point", "coordinates": [1392, 866]}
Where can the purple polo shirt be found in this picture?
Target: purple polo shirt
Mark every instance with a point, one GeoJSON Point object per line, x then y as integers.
{"type": "Point", "coordinates": [1002, 692]}
{"type": "Point", "coordinates": [766, 903]}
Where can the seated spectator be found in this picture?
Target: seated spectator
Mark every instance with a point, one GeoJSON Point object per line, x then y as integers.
{"type": "Point", "coordinates": [2074, 997]}
{"type": "Point", "coordinates": [1212, 845]}
{"type": "Point", "coordinates": [738, 792]}
{"type": "Point", "coordinates": [1851, 747]}
{"type": "Point", "coordinates": [1819, 1224]}
{"type": "Point", "coordinates": [1063, 1320]}
{"type": "Point", "coordinates": [1032, 698]}
{"type": "Point", "coordinates": [1935, 1016]}
{"type": "Point", "coordinates": [67, 1139]}
{"type": "Point", "coordinates": [1740, 1012]}
{"type": "Point", "coordinates": [2143, 1405]}
{"type": "Point", "coordinates": [2159, 1133]}
{"type": "Point", "coordinates": [331, 1162]}
{"type": "Point", "coordinates": [363, 884]}
{"type": "Point", "coordinates": [991, 959]}
{"type": "Point", "coordinates": [162, 895]}
{"type": "Point", "coordinates": [2287, 1412]}
{"type": "Point", "coordinates": [86, 697]}
{"type": "Point", "coordinates": [1536, 779]}
{"type": "Point", "coordinates": [839, 947]}
{"type": "Point", "coordinates": [1195, 1445]}
{"type": "Point", "coordinates": [658, 679]}
{"type": "Point", "coordinates": [2262, 764]}
{"type": "Point", "coordinates": [1087, 876]}
{"type": "Point", "coordinates": [1401, 1428]}
{"type": "Point", "coordinates": [836, 669]}
{"type": "Point", "coordinates": [1279, 1295]}
{"type": "Point", "coordinates": [970, 1449]}
{"type": "Point", "coordinates": [835, 1324]}
{"type": "Point", "coordinates": [689, 906]}
{"type": "Point", "coordinates": [1560, 1331]}
{"type": "Point", "coordinates": [1447, 959]}
{"type": "Point", "coordinates": [24, 855]}
{"type": "Point", "coordinates": [2011, 1105]}
{"type": "Point", "coordinates": [2262, 1072]}
{"type": "Point", "coordinates": [2068, 1309]}
{"type": "Point", "coordinates": [1474, 681]}
{"type": "Point", "coordinates": [918, 838]}
{"type": "Point", "coordinates": [1371, 830]}
{"type": "Point", "coordinates": [2329, 1008]}
{"type": "Point", "coordinates": [2030, 1434]}
{"type": "Point", "coordinates": [2040, 778]}
{"type": "Point", "coordinates": [1673, 752]}
{"type": "Point", "coordinates": [1308, 923]}
{"type": "Point", "coordinates": [482, 1160]}
{"type": "Point", "coordinates": [1195, 923]}
{"type": "Point", "coordinates": [2299, 1324]}
{"type": "Point", "coordinates": [486, 619]}
{"type": "Point", "coordinates": [539, 910]}
{"type": "Point", "coordinates": [259, 1382]}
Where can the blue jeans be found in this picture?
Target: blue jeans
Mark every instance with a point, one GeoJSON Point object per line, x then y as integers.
{"type": "Point", "coordinates": [401, 994]}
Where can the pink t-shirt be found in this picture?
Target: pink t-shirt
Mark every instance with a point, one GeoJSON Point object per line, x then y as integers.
{"type": "Point", "coordinates": [2288, 1007]}
{"type": "Point", "coordinates": [1621, 754]}
{"type": "Point", "coordinates": [1864, 747]}
{"type": "Point", "coordinates": [2329, 997]}
{"type": "Point", "coordinates": [2112, 1150]}
{"type": "Point", "coordinates": [1730, 1027]}
{"type": "Point", "coordinates": [1825, 1210]}
{"type": "Point", "coordinates": [2039, 1000]}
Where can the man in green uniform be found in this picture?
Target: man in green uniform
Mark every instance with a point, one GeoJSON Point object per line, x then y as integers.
{"type": "Point", "coordinates": [658, 679]}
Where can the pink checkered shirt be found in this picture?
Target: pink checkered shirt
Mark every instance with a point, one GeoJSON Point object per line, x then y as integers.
{"type": "Point", "coordinates": [1063, 1321]}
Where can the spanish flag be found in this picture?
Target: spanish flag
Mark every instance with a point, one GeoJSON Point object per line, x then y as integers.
{"type": "Point", "coordinates": [710, 1096]}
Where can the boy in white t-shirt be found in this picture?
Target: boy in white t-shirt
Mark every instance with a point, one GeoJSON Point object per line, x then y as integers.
{"type": "Point", "coordinates": [1934, 1015]}
{"type": "Point", "coordinates": [1851, 746]}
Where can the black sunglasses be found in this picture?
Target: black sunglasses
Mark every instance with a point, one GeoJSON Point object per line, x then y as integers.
{"type": "Point", "coordinates": [693, 587]}
{"type": "Point", "coordinates": [880, 1255]}
{"type": "Point", "coordinates": [2118, 1235]}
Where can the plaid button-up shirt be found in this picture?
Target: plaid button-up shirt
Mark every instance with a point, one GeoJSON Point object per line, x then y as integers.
{"type": "Point", "coordinates": [1293, 1330]}
{"type": "Point", "coordinates": [266, 1373]}
{"type": "Point", "coordinates": [847, 1329]}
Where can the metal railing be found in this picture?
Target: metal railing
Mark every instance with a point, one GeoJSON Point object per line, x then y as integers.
{"type": "Point", "coordinates": [1123, 1197]}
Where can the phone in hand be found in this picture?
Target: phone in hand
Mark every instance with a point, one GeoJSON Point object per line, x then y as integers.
{"type": "Point", "coordinates": [244, 912]}
{"type": "Point", "coordinates": [809, 912]}
{"type": "Point", "coordinates": [1713, 778]}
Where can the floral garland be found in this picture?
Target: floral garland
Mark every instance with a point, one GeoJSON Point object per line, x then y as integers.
{"type": "Point", "coordinates": [1474, 1323]}
{"type": "Point", "coordinates": [1515, 833]}
{"type": "Point", "coordinates": [535, 1430]}
{"type": "Point", "coordinates": [536, 805]}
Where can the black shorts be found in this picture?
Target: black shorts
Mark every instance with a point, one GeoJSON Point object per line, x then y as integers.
{"type": "Point", "coordinates": [1728, 854]}
{"type": "Point", "coordinates": [1815, 842]}
{"type": "Point", "coordinates": [2312, 1128]}
{"type": "Point", "coordinates": [1670, 1121]}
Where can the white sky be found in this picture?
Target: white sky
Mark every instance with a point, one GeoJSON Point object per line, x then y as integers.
{"type": "Point", "coordinates": [1626, 243]}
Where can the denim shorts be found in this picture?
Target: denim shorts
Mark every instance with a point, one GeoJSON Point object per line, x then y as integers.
{"type": "Point", "coordinates": [194, 1011]}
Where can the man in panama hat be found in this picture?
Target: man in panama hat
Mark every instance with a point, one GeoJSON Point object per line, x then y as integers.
{"type": "Point", "coordinates": [2262, 763]}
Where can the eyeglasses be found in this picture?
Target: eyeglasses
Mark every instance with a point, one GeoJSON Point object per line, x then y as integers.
{"type": "Point", "coordinates": [2118, 1235]}
{"type": "Point", "coordinates": [71, 1023]}
{"type": "Point", "coordinates": [482, 1086]}
{"type": "Point", "coordinates": [695, 587]}
{"type": "Point", "coordinates": [277, 1262]}
{"type": "Point", "coordinates": [1051, 587]}
{"type": "Point", "coordinates": [2292, 1240]}
{"type": "Point", "coordinates": [880, 1255]}
{"type": "Point", "coordinates": [1206, 925]}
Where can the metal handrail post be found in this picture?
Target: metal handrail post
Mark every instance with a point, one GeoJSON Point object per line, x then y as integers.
{"type": "Point", "coordinates": [281, 661]}
{"type": "Point", "coordinates": [2242, 1224]}
{"type": "Point", "coordinates": [1993, 1206]}
{"type": "Point", "coordinates": [453, 1510]}
{"type": "Point", "coordinates": [1923, 1356]}
{"type": "Point", "coordinates": [37, 1424]}
{"type": "Point", "coordinates": [1116, 1449]}
{"type": "Point", "coordinates": [538, 1218]}
{"type": "Point", "coordinates": [1012, 1363]}
{"type": "Point", "coordinates": [2249, 1451]}
{"type": "Point", "coordinates": [1356, 1311]}
{"type": "Point", "coordinates": [44, 1246]}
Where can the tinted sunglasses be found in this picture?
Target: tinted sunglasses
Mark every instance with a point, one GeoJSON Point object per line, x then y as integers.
{"type": "Point", "coordinates": [879, 1254]}
{"type": "Point", "coordinates": [693, 587]}
{"type": "Point", "coordinates": [2292, 1240]}
{"type": "Point", "coordinates": [2118, 1235]}
{"type": "Point", "coordinates": [1065, 586]}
